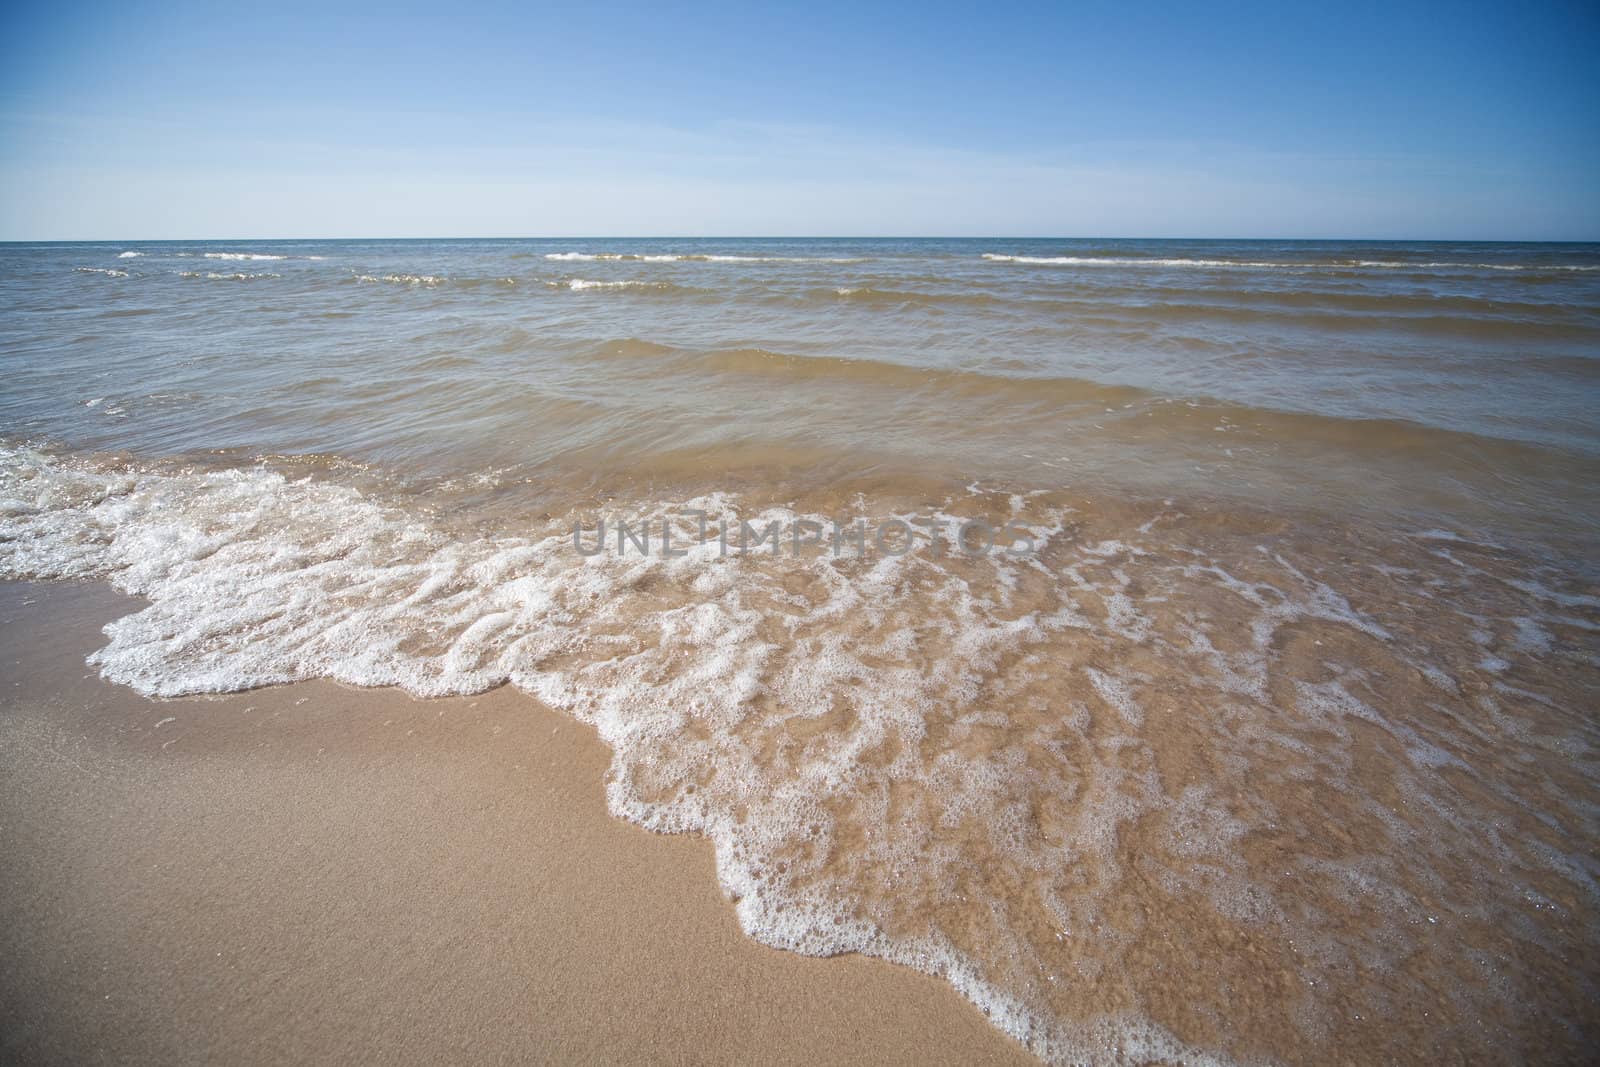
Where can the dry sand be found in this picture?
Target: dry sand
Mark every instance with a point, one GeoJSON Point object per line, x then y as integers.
{"type": "Point", "coordinates": [319, 874]}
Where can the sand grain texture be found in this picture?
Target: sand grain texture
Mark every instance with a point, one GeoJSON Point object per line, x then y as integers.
{"type": "Point", "coordinates": [319, 874]}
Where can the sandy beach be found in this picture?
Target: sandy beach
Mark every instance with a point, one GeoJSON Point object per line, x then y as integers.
{"type": "Point", "coordinates": [315, 873]}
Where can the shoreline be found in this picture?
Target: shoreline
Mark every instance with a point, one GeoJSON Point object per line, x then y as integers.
{"type": "Point", "coordinates": [317, 871]}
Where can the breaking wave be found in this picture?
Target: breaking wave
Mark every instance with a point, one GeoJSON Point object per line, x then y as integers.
{"type": "Point", "coordinates": [1306, 265]}
{"type": "Point", "coordinates": [1056, 780]}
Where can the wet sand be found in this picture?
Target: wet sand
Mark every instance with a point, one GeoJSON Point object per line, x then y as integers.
{"type": "Point", "coordinates": [314, 873]}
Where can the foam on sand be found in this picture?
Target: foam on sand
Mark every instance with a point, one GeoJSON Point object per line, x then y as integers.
{"type": "Point", "coordinates": [1065, 781]}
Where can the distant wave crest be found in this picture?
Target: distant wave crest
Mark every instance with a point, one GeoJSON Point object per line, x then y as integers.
{"type": "Point", "coordinates": [427, 281]}
{"type": "Point", "coordinates": [673, 257]}
{"type": "Point", "coordinates": [1371, 264]}
{"type": "Point", "coordinates": [579, 285]}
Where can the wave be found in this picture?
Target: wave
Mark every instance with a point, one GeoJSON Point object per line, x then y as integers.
{"type": "Point", "coordinates": [426, 281]}
{"type": "Point", "coordinates": [1406, 316]}
{"type": "Point", "coordinates": [785, 259]}
{"type": "Point", "coordinates": [1042, 778]}
{"type": "Point", "coordinates": [504, 281]}
{"type": "Point", "coordinates": [579, 285]}
{"type": "Point", "coordinates": [690, 258]}
{"type": "Point", "coordinates": [1312, 265]}
{"type": "Point", "coordinates": [1024, 392]}
{"type": "Point", "coordinates": [868, 294]}
{"type": "Point", "coordinates": [1401, 264]}
{"type": "Point", "coordinates": [107, 271]}
{"type": "Point", "coordinates": [433, 281]}
{"type": "Point", "coordinates": [1126, 261]}
{"type": "Point", "coordinates": [1132, 299]}
{"type": "Point", "coordinates": [130, 255]}
{"type": "Point", "coordinates": [592, 256]}
{"type": "Point", "coordinates": [238, 276]}
{"type": "Point", "coordinates": [1315, 297]}
{"type": "Point", "coordinates": [1131, 306]}
{"type": "Point", "coordinates": [241, 255]}
{"type": "Point", "coordinates": [632, 348]}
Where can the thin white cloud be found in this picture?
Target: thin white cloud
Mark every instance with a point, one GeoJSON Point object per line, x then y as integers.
{"type": "Point", "coordinates": [502, 175]}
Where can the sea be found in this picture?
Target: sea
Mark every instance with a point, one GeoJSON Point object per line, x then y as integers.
{"type": "Point", "coordinates": [1186, 649]}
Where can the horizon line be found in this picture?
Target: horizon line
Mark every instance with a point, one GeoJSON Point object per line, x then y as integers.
{"type": "Point", "coordinates": [806, 237]}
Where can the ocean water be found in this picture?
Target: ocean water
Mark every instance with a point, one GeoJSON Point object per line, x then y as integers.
{"type": "Point", "coordinates": [1187, 649]}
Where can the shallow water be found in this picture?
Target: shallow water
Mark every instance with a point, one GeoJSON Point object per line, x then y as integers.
{"type": "Point", "coordinates": [1263, 731]}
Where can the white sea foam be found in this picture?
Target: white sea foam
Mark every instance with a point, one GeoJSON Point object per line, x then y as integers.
{"type": "Point", "coordinates": [784, 259]}
{"type": "Point", "coordinates": [236, 276]}
{"type": "Point", "coordinates": [582, 284]}
{"type": "Point", "coordinates": [425, 281]}
{"type": "Point", "coordinates": [1129, 261]}
{"type": "Point", "coordinates": [254, 579]}
{"type": "Point", "coordinates": [107, 271]}
{"type": "Point", "coordinates": [242, 255]}
{"type": "Point", "coordinates": [667, 257]}
{"type": "Point", "coordinates": [588, 257]}
{"type": "Point", "coordinates": [853, 736]}
{"type": "Point", "coordinates": [130, 255]}
{"type": "Point", "coordinates": [1256, 264]}
{"type": "Point", "coordinates": [1400, 264]}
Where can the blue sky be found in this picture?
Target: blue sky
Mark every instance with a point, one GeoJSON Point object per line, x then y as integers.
{"type": "Point", "coordinates": [1461, 120]}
